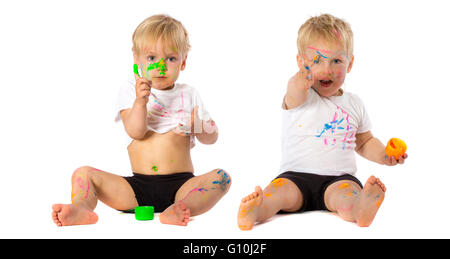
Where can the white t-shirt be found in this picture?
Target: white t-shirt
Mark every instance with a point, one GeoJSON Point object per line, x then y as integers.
{"type": "Point", "coordinates": [319, 136]}
{"type": "Point", "coordinates": [165, 108]}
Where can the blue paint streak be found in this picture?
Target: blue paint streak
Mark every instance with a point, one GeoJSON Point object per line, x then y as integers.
{"type": "Point", "coordinates": [320, 54]}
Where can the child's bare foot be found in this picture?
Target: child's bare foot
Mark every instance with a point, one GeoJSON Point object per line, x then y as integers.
{"type": "Point", "coordinates": [69, 214]}
{"type": "Point", "coordinates": [176, 214]}
{"type": "Point", "coordinates": [371, 197]}
{"type": "Point", "coordinates": [248, 210]}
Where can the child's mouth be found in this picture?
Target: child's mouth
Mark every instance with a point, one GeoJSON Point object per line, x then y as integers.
{"type": "Point", "coordinates": [325, 83]}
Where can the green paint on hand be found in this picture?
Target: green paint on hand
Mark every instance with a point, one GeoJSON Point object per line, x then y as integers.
{"type": "Point", "coordinates": [161, 66]}
{"type": "Point", "coordinates": [136, 69]}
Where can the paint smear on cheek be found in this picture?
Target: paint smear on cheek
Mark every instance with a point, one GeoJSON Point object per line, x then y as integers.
{"type": "Point", "coordinates": [175, 75]}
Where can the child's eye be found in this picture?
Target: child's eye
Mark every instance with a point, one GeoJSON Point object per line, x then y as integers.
{"type": "Point", "coordinates": [151, 58]}
{"type": "Point", "coordinates": [337, 61]}
{"type": "Point", "coordinates": [172, 59]}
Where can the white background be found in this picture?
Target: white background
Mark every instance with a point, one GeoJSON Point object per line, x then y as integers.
{"type": "Point", "coordinates": [61, 64]}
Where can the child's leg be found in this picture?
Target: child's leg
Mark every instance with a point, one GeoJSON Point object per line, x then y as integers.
{"type": "Point", "coordinates": [88, 186]}
{"type": "Point", "coordinates": [353, 204]}
{"type": "Point", "coordinates": [197, 196]}
{"type": "Point", "coordinates": [280, 194]}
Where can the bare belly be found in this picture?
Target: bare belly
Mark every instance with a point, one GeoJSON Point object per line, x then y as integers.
{"type": "Point", "coordinates": [158, 154]}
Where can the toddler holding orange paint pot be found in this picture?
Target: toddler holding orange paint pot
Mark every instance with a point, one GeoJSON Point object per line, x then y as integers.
{"type": "Point", "coordinates": [322, 128]}
{"type": "Point", "coordinates": [163, 118]}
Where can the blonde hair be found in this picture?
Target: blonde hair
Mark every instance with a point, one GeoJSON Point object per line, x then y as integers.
{"type": "Point", "coordinates": [161, 27]}
{"type": "Point", "coordinates": [328, 28]}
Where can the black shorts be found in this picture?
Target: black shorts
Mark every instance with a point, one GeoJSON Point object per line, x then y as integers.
{"type": "Point", "coordinates": [157, 190]}
{"type": "Point", "coordinates": [313, 187]}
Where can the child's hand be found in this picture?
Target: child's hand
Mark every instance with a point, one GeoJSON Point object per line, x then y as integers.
{"type": "Point", "coordinates": [143, 86]}
{"type": "Point", "coordinates": [182, 130]}
{"type": "Point", "coordinates": [391, 161]}
{"type": "Point", "coordinates": [303, 79]}
{"type": "Point", "coordinates": [298, 85]}
{"type": "Point", "coordinates": [188, 130]}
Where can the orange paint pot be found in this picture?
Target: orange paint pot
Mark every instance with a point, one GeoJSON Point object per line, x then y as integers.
{"type": "Point", "coordinates": [395, 147]}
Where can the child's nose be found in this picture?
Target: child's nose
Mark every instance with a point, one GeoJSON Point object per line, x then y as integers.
{"type": "Point", "coordinates": [323, 71]}
{"type": "Point", "coordinates": [160, 66]}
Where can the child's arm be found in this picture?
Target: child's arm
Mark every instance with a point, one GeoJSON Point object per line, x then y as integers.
{"type": "Point", "coordinates": [135, 119]}
{"type": "Point", "coordinates": [298, 86]}
{"type": "Point", "coordinates": [209, 133]}
{"type": "Point", "coordinates": [372, 149]}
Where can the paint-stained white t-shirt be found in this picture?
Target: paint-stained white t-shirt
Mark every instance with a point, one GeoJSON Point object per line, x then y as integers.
{"type": "Point", "coordinates": [165, 108]}
{"type": "Point", "coordinates": [319, 136]}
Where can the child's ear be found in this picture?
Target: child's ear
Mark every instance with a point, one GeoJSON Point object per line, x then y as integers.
{"type": "Point", "coordinates": [350, 65]}
{"type": "Point", "coordinates": [183, 65]}
{"type": "Point", "coordinates": [299, 61]}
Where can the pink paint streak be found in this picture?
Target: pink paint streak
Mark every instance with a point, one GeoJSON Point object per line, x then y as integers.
{"type": "Point", "coordinates": [158, 107]}
{"type": "Point", "coordinates": [345, 138]}
{"type": "Point", "coordinates": [321, 50]}
{"type": "Point", "coordinates": [335, 116]}
{"type": "Point", "coordinates": [87, 191]}
{"type": "Point", "coordinates": [182, 100]}
{"type": "Point", "coordinates": [80, 182]}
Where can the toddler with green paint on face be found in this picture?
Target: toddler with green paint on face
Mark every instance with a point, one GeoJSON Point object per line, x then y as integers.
{"type": "Point", "coordinates": [323, 127]}
{"type": "Point", "coordinates": [163, 118]}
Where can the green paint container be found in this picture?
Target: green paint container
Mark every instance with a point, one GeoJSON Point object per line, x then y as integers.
{"type": "Point", "coordinates": [144, 212]}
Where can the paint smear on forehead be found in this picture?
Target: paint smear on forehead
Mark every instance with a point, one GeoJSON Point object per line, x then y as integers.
{"type": "Point", "coordinates": [321, 50]}
{"type": "Point", "coordinates": [334, 54]}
